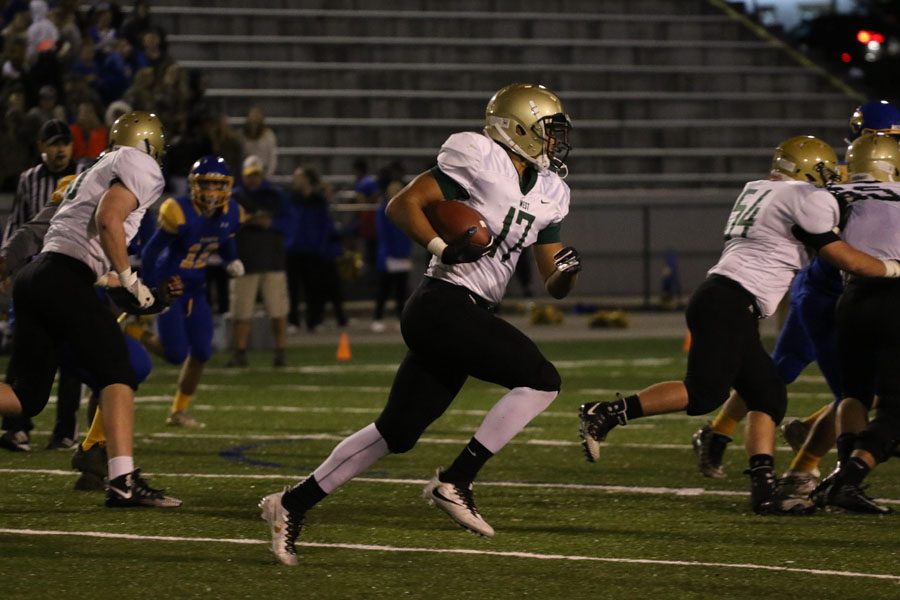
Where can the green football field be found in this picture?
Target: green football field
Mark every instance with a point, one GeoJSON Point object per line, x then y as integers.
{"type": "Point", "coordinates": [641, 523]}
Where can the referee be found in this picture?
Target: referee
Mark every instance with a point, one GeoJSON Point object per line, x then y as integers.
{"type": "Point", "coordinates": [33, 192]}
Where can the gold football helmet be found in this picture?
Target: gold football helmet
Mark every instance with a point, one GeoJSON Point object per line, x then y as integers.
{"type": "Point", "coordinates": [806, 158]}
{"type": "Point", "coordinates": [529, 120]}
{"type": "Point", "coordinates": [141, 130]}
{"type": "Point", "coordinates": [874, 156]}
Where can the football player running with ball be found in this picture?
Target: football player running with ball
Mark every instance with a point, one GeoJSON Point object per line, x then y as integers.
{"type": "Point", "coordinates": [190, 229]}
{"type": "Point", "coordinates": [60, 312]}
{"type": "Point", "coordinates": [511, 175]}
{"type": "Point", "coordinates": [759, 261]}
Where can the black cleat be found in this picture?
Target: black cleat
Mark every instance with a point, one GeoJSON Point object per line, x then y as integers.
{"type": "Point", "coordinates": [597, 420]}
{"type": "Point", "coordinates": [767, 498]}
{"type": "Point", "coordinates": [848, 497]}
{"type": "Point", "coordinates": [709, 446]}
{"type": "Point", "coordinates": [92, 465]}
{"type": "Point", "coordinates": [130, 490]}
{"type": "Point", "coordinates": [15, 441]}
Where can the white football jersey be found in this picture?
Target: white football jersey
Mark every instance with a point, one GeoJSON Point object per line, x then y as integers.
{"type": "Point", "coordinates": [73, 230]}
{"type": "Point", "coordinates": [874, 222]}
{"type": "Point", "coordinates": [760, 252]}
{"type": "Point", "coordinates": [485, 171]}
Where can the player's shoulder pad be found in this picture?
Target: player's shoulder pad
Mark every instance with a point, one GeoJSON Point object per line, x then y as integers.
{"type": "Point", "coordinates": [468, 142]}
{"type": "Point", "coordinates": [171, 215]}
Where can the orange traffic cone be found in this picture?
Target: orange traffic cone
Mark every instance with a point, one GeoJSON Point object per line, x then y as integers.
{"type": "Point", "coordinates": [686, 347]}
{"type": "Point", "coordinates": [343, 350]}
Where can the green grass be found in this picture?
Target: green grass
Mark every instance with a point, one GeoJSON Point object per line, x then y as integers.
{"type": "Point", "coordinates": [258, 411]}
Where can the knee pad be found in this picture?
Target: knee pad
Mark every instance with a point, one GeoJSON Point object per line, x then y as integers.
{"type": "Point", "coordinates": [704, 397]}
{"type": "Point", "coordinates": [547, 378]}
{"type": "Point", "coordinates": [398, 439]}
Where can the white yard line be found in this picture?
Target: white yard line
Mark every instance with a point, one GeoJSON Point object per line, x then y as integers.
{"type": "Point", "coordinates": [460, 551]}
{"type": "Point", "coordinates": [587, 487]}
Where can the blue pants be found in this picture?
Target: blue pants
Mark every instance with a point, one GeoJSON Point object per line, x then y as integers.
{"type": "Point", "coordinates": [186, 329]}
{"type": "Point", "coordinates": [809, 335]}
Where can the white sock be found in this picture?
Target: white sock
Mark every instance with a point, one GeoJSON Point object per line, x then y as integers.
{"type": "Point", "coordinates": [510, 416]}
{"type": "Point", "coordinates": [120, 465]}
{"type": "Point", "coordinates": [350, 458]}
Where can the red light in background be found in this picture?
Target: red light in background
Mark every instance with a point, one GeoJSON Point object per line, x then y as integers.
{"type": "Point", "coordinates": [864, 36]}
{"type": "Point", "coordinates": [845, 57]}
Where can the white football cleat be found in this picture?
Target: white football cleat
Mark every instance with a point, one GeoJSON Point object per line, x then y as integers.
{"type": "Point", "coordinates": [284, 528]}
{"type": "Point", "coordinates": [458, 502]}
{"type": "Point", "coordinates": [180, 418]}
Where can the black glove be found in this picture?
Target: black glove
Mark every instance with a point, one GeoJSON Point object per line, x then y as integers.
{"type": "Point", "coordinates": [567, 260]}
{"type": "Point", "coordinates": [463, 250]}
{"type": "Point", "coordinates": [162, 297]}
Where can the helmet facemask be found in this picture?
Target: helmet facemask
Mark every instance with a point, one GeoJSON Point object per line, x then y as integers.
{"type": "Point", "coordinates": [556, 130]}
{"type": "Point", "coordinates": [210, 191]}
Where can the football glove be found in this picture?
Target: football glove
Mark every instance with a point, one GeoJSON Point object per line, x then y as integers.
{"type": "Point", "coordinates": [130, 282]}
{"type": "Point", "coordinates": [463, 250]}
{"type": "Point", "coordinates": [161, 297]}
{"type": "Point", "coordinates": [235, 268]}
{"type": "Point", "coordinates": [567, 260]}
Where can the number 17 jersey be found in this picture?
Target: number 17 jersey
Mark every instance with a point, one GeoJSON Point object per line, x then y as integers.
{"type": "Point", "coordinates": [473, 168]}
{"type": "Point", "coordinates": [760, 252]}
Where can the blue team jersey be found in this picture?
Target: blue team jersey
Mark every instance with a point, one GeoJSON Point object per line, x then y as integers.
{"type": "Point", "coordinates": [185, 240]}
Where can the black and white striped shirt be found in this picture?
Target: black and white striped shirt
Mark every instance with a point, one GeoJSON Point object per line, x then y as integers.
{"type": "Point", "coordinates": [36, 185]}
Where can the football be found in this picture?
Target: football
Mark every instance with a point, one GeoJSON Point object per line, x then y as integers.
{"type": "Point", "coordinates": [452, 219]}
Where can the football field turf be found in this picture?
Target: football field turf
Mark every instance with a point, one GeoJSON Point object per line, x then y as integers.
{"type": "Point", "coordinates": [641, 523]}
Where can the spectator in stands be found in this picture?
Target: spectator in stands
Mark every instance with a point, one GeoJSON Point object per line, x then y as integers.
{"type": "Point", "coordinates": [84, 64]}
{"type": "Point", "coordinates": [154, 48]}
{"type": "Point", "coordinates": [259, 140]}
{"type": "Point", "coordinates": [117, 70]}
{"type": "Point", "coordinates": [89, 132]}
{"type": "Point", "coordinates": [171, 100]}
{"type": "Point", "coordinates": [16, 26]}
{"type": "Point", "coordinates": [16, 148]}
{"type": "Point", "coordinates": [136, 24]}
{"type": "Point", "coordinates": [141, 93]}
{"type": "Point", "coordinates": [48, 107]}
{"type": "Point", "coordinates": [194, 141]}
{"type": "Point", "coordinates": [226, 142]}
{"type": "Point", "coordinates": [77, 90]}
{"type": "Point", "coordinates": [260, 246]}
{"type": "Point", "coordinates": [394, 251]}
{"type": "Point", "coordinates": [366, 192]}
{"type": "Point", "coordinates": [42, 34]}
{"type": "Point", "coordinates": [313, 247]}
{"type": "Point", "coordinates": [68, 47]}
{"type": "Point", "coordinates": [115, 110]}
{"type": "Point", "coordinates": [102, 29]}
{"type": "Point", "coordinates": [14, 67]}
